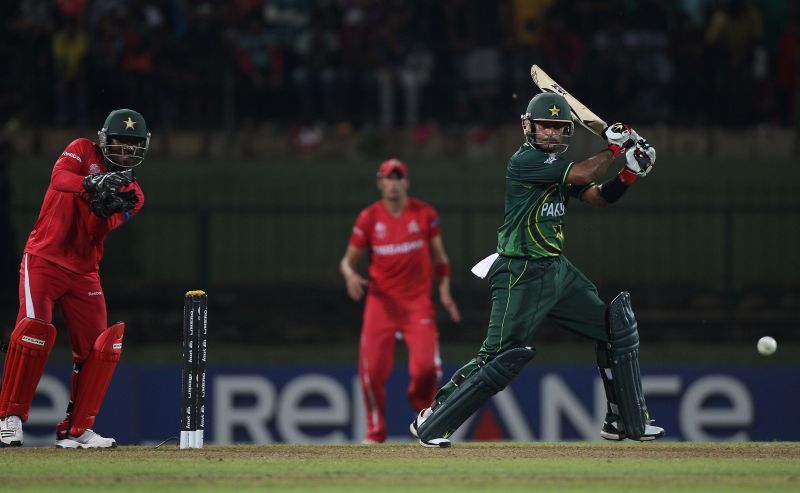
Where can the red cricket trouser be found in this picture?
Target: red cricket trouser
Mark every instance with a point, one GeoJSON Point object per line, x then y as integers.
{"type": "Point", "coordinates": [43, 284]}
{"type": "Point", "coordinates": [384, 318]}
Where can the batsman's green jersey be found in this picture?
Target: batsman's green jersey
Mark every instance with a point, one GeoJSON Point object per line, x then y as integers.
{"type": "Point", "coordinates": [536, 202]}
{"type": "Point", "coordinates": [530, 279]}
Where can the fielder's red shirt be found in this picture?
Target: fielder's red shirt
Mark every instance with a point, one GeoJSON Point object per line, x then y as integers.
{"type": "Point", "coordinates": [67, 233]}
{"type": "Point", "coordinates": [400, 258]}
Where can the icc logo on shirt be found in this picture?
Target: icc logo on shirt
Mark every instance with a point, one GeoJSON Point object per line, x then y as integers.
{"type": "Point", "coordinates": [380, 230]}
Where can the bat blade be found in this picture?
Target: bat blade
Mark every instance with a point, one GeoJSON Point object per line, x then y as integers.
{"type": "Point", "coordinates": [580, 113]}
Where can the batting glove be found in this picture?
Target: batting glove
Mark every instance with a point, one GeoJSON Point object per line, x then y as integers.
{"type": "Point", "coordinates": [640, 158]}
{"type": "Point", "coordinates": [620, 137]}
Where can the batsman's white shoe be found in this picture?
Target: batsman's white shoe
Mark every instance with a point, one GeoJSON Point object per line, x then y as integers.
{"type": "Point", "coordinates": [613, 430]}
{"type": "Point", "coordinates": [436, 443]}
{"type": "Point", "coordinates": [414, 426]}
{"type": "Point", "coordinates": [421, 417]}
{"type": "Point", "coordinates": [88, 439]}
{"type": "Point", "coordinates": [11, 432]}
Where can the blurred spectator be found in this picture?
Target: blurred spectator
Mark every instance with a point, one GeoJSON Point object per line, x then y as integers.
{"type": "Point", "coordinates": [72, 8]}
{"type": "Point", "coordinates": [315, 76]}
{"type": "Point", "coordinates": [8, 85]}
{"type": "Point", "coordinates": [402, 62]}
{"type": "Point", "coordinates": [136, 63]}
{"type": "Point", "coordinates": [651, 21]}
{"type": "Point", "coordinates": [787, 69]}
{"type": "Point", "coordinates": [260, 72]}
{"type": "Point", "coordinates": [105, 55]}
{"type": "Point", "coordinates": [616, 74]}
{"type": "Point", "coordinates": [9, 260]}
{"type": "Point", "coordinates": [689, 91]}
{"type": "Point", "coordinates": [473, 30]}
{"type": "Point", "coordinates": [32, 59]}
{"type": "Point", "coordinates": [358, 61]}
{"type": "Point", "coordinates": [70, 48]}
{"type": "Point", "coordinates": [733, 33]}
{"type": "Point", "coordinates": [563, 50]}
{"type": "Point", "coordinates": [207, 77]}
{"type": "Point", "coordinates": [524, 22]}
{"type": "Point", "coordinates": [288, 18]}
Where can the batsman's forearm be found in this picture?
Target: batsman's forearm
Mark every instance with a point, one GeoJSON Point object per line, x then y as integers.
{"type": "Point", "coordinates": [591, 169]}
{"type": "Point", "coordinates": [600, 162]}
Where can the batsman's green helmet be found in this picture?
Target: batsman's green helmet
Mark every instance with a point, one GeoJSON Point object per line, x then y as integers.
{"type": "Point", "coordinates": [550, 106]}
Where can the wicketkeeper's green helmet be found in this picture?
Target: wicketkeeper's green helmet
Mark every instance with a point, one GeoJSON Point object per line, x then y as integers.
{"type": "Point", "coordinates": [551, 107]}
{"type": "Point", "coordinates": [129, 126]}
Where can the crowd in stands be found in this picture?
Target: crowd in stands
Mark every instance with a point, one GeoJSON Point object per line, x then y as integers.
{"type": "Point", "coordinates": [395, 64]}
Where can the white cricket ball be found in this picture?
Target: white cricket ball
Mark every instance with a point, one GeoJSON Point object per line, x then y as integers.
{"type": "Point", "coordinates": [767, 345]}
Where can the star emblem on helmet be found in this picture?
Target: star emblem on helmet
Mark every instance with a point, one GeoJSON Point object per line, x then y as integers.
{"type": "Point", "coordinates": [555, 110]}
{"type": "Point", "coordinates": [129, 124]}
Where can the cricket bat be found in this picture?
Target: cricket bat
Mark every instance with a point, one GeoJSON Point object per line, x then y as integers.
{"type": "Point", "coordinates": [580, 113]}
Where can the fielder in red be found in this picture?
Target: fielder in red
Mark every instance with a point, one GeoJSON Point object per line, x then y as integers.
{"type": "Point", "coordinates": [403, 238]}
{"type": "Point", "coordinates": [92, 192]}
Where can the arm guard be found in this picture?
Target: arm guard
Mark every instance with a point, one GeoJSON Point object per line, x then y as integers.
{"type": "Point", "coordinates": [613, 189]}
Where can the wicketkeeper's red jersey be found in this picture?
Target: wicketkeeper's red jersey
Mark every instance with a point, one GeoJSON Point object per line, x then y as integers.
{"type": "Point", "coordinates": [400, 259]}
{"type": "Point", "coordinates": [67, 233]}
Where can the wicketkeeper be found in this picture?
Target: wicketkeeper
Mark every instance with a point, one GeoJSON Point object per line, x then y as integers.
{"type": "Point", "coordinates": [530, 279]}
{"type": "Point", "coordinates": [92, 191]}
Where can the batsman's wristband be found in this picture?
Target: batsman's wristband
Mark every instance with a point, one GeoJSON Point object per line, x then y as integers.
{"type": "Point", "coordinates": [613, 189]}
{"type": "Point", "coordinates": [442, 269]}
{"type": "Point", "coordinates": [627, 176]}
{"type": "Point", "coordinates": [615, 149]}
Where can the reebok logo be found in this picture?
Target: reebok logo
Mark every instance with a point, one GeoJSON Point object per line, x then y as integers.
{"type": "Point", "coordinates": [116, 345]}
{"type": "Point", "coordinates": [95, 293]}
{"type": "Point", "coordinates": [72, 155]}
{"type": "Point", "coordinates": [33, 340]}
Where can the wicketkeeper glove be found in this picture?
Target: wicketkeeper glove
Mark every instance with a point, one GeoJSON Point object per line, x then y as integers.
{"type": "Point", "coordinates": [620, 137]}
{"type": "Point", "coordinates": [108, 182]}
{"type": "Point", "coordinates": [105, 204]}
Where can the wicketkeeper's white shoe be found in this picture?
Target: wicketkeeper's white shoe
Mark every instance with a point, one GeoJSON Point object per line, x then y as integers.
{"type": "Point", "coordinates": [88, 439]}
{"type": "Point", "coordinates": [414, 426]}
{"type": "Point", "coordinates": [11, 432]}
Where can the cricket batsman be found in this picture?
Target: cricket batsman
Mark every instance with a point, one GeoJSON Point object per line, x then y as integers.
{"type": "Point", "coordinates": [531, 279]}
{"type": "Point", "coordinates": [402, 236]}
{"type": "Point", "coordinates": [92, 191]}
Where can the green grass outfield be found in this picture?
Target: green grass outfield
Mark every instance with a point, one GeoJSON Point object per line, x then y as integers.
{"type": "Point", "coordinates": [505, 467]}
